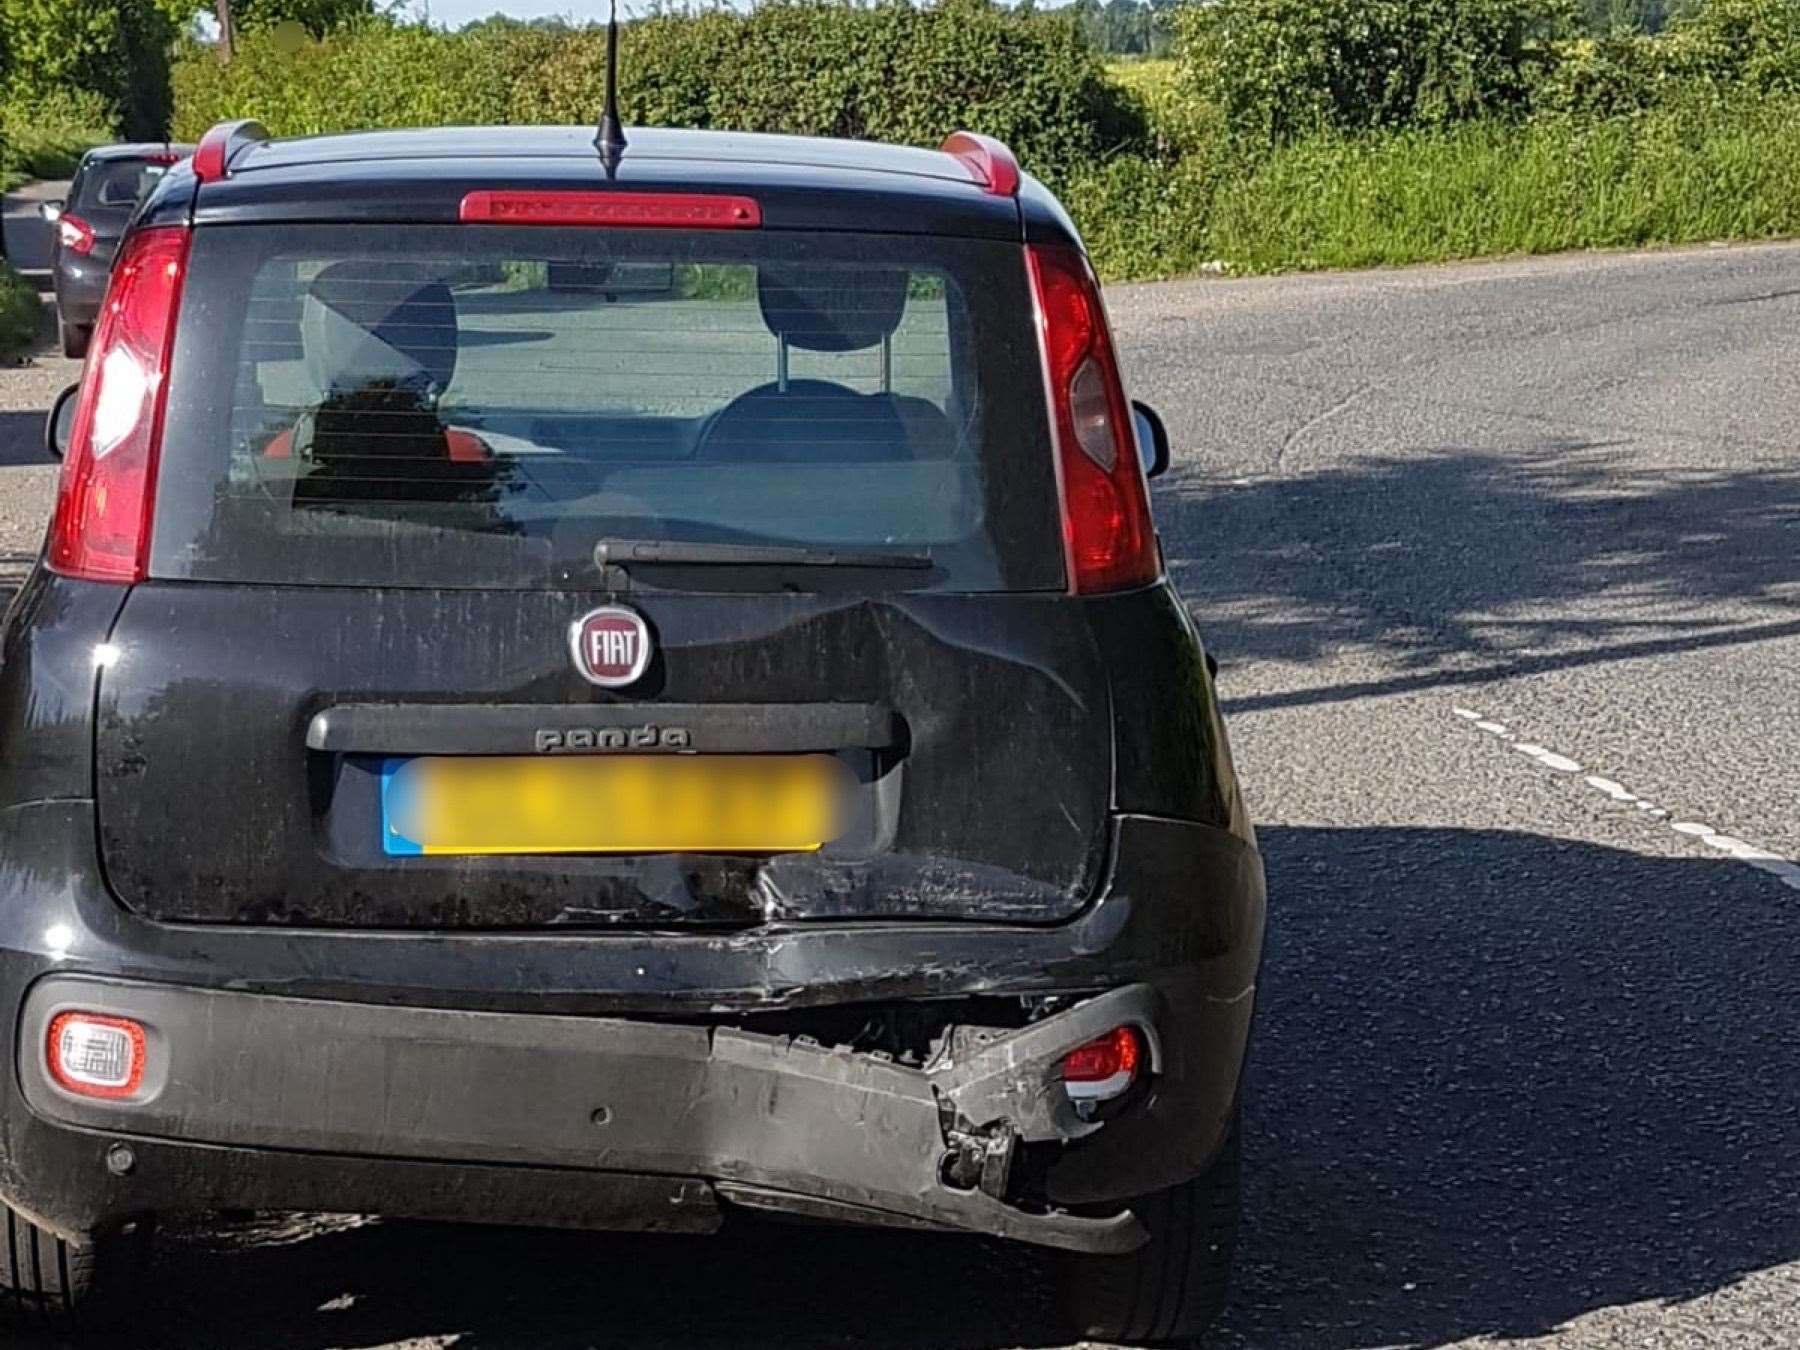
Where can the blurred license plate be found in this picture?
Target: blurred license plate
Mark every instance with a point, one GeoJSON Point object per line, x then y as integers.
{"type": "Point", "coordinates": [623, 804]}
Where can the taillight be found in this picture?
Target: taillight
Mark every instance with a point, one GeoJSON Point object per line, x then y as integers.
{"type": "Point", "coordinates": [1104, 1068]}
{"type": "Point", "coordinates": [95, 1056]}
{"type": "Point", "coordinates": [101, 531]}
{"type": "Point", "coordinates": [1107, 529]}
{"type": "Point", "coordinates": [75, 234]}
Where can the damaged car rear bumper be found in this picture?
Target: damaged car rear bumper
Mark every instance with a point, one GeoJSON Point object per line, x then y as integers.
{"type": "Point", "coordinates": [639, 1080]}
{"type": "Point", "coordinates": [775, 1122]}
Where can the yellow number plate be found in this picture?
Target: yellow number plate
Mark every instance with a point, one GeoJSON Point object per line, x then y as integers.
{"type": "Point", "coordinates": [622, 804]}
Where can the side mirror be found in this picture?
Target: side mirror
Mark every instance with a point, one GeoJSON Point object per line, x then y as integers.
{"type": "Point", "coordinates": [1152, 439]}
{"type": "Point", "coordinates": [60, 424]}
{"type": "Point", "coordinates": [51, 211]}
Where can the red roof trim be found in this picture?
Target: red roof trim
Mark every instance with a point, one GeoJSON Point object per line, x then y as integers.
{"type": "Point", "coordinates": [212, 156]}
{"type": "Point", "coordinates": [987, 159]}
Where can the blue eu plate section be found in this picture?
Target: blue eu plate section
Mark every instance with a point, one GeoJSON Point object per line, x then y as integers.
{"type": "Point", "coordinates": [394, 787]}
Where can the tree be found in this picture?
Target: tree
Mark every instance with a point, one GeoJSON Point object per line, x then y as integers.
{"type": "Point", "coordinates": [317, 17]}
{"type": "Point", "coordinates": [1611, 18]}
{"type": "Point", "coordinates": [113, 54]}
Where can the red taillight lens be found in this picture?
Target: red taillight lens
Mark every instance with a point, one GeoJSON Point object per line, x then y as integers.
{"type": "Point", "coordinates": [101, 531]}
{"type": "Point", "coordinates": [75, 234]}
{"type": "Point", "coordinates": [95, 1056]}
{"type": "Point", "coordinates": [1105, 1067]}
{"type": "Point", "coordinates": [679, 210]}
{"type": "Point", "coordinates": [1106, 505]}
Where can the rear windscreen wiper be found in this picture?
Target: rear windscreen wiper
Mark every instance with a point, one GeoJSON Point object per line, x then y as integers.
{"type": "Point", "coordinates": [625, 552]}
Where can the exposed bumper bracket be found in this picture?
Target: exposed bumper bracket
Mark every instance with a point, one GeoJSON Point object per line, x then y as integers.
{"type": "Point", "coordinates": [776, 1123]}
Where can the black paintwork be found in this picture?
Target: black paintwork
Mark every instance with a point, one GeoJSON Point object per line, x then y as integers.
{"type": "Point", "coordinates": [1062, 813]}
{"type": "Point", "coordinates": [1003, 702]}
{"type": "Point", "coordinates": [421, 176]}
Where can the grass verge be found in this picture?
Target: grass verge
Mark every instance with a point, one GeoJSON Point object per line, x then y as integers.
{"type": "Point", "coordinates": [1699, 172]}
{"type": "Point", "coordinates": [18, 313]}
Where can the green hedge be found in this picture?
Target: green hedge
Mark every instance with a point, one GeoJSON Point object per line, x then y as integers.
{"type": "Point", "coordinates": [890, 72]}
{"type": "Point", "coordinates": [110, 55]}
{"type": "Point", "coordinates": [1695, 171]}
{"type": "Point", "coordinates": [46, 139]}
{"type": "Point", "coordinates": [1288, 133]}
{"type": "Point", "coordinates": [1281, 69]}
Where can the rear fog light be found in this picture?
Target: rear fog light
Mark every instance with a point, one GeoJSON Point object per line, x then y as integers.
{"type": "Point", "coordinates": [1105, 1068]}
{"type": "Point", "coordinates": [95, 1056]}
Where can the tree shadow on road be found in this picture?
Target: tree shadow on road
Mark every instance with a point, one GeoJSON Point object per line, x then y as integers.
{"type": "Point", "coordinates": [1459, 560]}
{"type": "Point", "coordinates": [1500, 1081]}
{"type": "Point", "coordinates": [22, 440]}
{"type": "Point", "coordinates": [1504, 1080]}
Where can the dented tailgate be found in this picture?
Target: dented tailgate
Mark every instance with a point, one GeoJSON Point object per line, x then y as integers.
{"type": "Point", "coordinates": [986, 798]}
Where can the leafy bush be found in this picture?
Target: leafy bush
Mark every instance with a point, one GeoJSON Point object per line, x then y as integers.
{"type": "Point", "coordinates": [1177, 121]}
{"type": "Point", "coordinates": [46, 139]}
{"type": "Point", "coordinates": [1746, 44]}
{"type": "Point", "coordinates": [1685, 172]}
{"type": "Point", "coordinates": [113, 52]}
{"type": "Point", "coordinates": [1287, 68]}
{"type": "Point", "coordinates": [317, 17]}
{"type": "Point", "coordinates": [1605, 77]}
{"type": "Point", "coordinates": [889, 72]}
{"type": "Point", "coordinates": [1289, 133]}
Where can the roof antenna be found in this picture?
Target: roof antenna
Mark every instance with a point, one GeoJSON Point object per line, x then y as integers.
{"type": "Point", "coordinates": [611, 140]}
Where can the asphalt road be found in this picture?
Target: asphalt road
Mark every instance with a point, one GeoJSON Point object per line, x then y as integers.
{"type": "Point", "coordinates": [1529, 1059]}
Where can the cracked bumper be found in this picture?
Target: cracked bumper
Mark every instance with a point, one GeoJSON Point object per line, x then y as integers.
{"type": "Point", "coordinates": [773, 1122]}
{"type": "Point", "coordinates": [540, 1079]}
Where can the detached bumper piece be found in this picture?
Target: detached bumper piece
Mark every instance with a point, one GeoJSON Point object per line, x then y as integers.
{"type": "Point", "coordinates": [773, 1122]}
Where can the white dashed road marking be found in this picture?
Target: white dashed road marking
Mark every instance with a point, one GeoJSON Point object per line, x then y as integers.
{"type": "Point", "coordinates": [1782, 869]}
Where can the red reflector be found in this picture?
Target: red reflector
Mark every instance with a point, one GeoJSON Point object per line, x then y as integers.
{"type": "Point", "coordinates": [95, 1056]}
{"type": "Point", "coordinates": [1107, 530]}
{"type": "Point", "coordinates": [75, 234]}
{"type": "Point", "coordinates": [683, 210]}
{"type": "Point", "coordinates": [101, 530]}
{"type": "Point", "coordinates": [1108, 1056]}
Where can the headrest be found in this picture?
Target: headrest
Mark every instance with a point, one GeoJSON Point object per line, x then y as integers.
{"type": "Point", "coordinates": [386, 325]}
{"type": "Point", "coordinates": [831, 309]}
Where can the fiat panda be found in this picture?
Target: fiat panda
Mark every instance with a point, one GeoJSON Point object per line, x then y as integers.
{"type": "Point", "coordinates": [630, 690]}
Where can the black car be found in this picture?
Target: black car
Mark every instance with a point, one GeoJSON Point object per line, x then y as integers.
{"type": "Point", "coordinates": [108, 185]}
{"type": "Point", "coordinates": [630, 691]}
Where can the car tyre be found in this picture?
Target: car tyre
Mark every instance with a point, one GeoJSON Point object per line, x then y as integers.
{"type": "Point", "coordinates": [74, 336]}
{"type": "Point", "coordinates": [72, 1285]}
{"type": "Point", "coordinates": [1168, 1291]}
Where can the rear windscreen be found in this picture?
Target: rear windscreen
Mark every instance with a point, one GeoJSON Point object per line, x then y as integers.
{"type": "Point", "coordinates": [116, 183]}
{"type": "Point", "coordinates": [481, 406]}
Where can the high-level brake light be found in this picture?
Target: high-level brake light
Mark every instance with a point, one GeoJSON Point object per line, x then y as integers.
{"type": "Point", "coordinates": [1109, 536]}
{"type": "Point", "coordinates": [101, 530]}
{"type": "Point", "coordinates": [96, 1056]}
{"type": "Point", "coordinates": [641, 210]}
